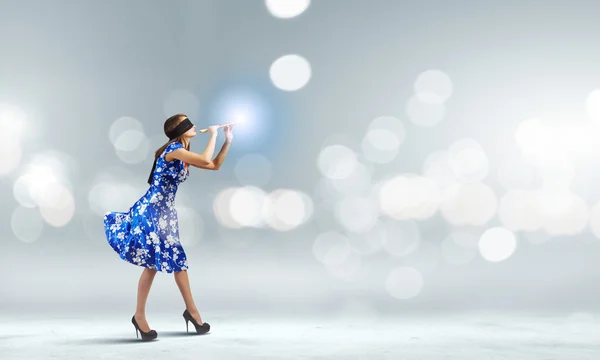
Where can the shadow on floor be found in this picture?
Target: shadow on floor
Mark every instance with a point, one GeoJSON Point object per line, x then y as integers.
{"type": "Point", "coordinates": [109, 341]}
{"type": "Point", "coordinates": [179, 334]}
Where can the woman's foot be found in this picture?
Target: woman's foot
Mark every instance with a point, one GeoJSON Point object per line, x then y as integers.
{"type": "Point", "coordinates": [142, 322]}
{"type": "Point", "coordinates": [196, 316]}
{"type": "Point", "coordinates": [201, 327]}
{"type": "Point", "coordinates": [146, 335]}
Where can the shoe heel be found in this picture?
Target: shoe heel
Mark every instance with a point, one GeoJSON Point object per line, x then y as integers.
{"type": "Point", "coordinates": [187, 323]}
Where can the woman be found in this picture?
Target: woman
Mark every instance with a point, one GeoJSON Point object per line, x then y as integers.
{"type": "Point", "coordinates": [148, 234]}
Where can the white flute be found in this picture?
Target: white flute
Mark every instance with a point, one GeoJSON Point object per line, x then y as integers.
{"type": "Point", "coordinates": [220, 126]}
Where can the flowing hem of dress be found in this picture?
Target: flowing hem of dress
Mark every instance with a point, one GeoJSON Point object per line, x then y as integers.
{"type": "Point", "coordinates": [153, 266]}
{"type": "Point", "coordinates": [149, 262]}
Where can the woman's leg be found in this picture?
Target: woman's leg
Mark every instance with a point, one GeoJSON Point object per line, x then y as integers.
{"type": "Point", "coordinates": [183, 282]}
{"type": "Point", "coordinates": [143, 290]}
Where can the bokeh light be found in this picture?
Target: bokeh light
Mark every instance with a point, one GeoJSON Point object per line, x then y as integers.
{"type": "Point", "coordinates": [468, 204]}
{"type": "Point", "coordinates": [337, 162]}
{"type": "Point", "coordinates": [14, 122]}
{"type": "Point", "coordinates": [382, 141]}
{"type": "Point", "coordinates": [11, 151]}
{"type": "Point", "coordinates": [409, 197]}
{"type": "Point", "coordinates": [592, 105]}
{"type": "Point", "coordinates": [497, 244]}
{"type": "Point", "coordinates": [249, 206]}
{"type": "Point", "coordinates": [468, 161]}
{"type": "Point", "coordinates": [404, 283]}
{"type": "Point", "coordinates": [129, 140]}
{"type": "Point", "coordinates": [27, 224]}
{"type": "Point", "coordinates": [286, 9]}
{"type": "Point", "coordinates": [433, 86]}
{"type": "Point", "coordinates": [110, 193]}
{"type": "Point", "coordinates": [286, 209]}
{"type": "Point", "coordinates": [437, 167]}
{"type": "Point", "coordinates": [221, 206]}
{"type": "Point", "coordinates": [246, 206]}
{"type": "Point", "coordinates": [45, 183]}
{"type": "Point", "coordinates": [290, 72]}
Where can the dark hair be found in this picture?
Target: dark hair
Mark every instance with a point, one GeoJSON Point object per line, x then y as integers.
{"type": "Point", "coordinates": [170, 124]}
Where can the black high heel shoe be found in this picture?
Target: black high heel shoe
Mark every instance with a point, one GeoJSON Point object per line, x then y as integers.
{"type": "Point", "coordinates": [146, 336]}
{"type": "Point", "coordinates": [200, 329]}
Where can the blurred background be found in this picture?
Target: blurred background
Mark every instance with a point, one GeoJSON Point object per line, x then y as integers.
{"type": "Point", "coordinates": [395, 155]}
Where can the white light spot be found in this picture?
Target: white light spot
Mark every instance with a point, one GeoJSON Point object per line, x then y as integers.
{"type": "Point", "coordinates": [246, 206]}
{"type": "Point", "coordinates": [424, 114]}
{"type": "Point", "coordinates": [383, 139]}
{"type": "Point", "coordinates": [132, 146]}
{"type": "Point", "coordinates": [22, 190]}
{"type": "Point", "coordinates": [113, 195]}
{"type": "Point", "coordinates": [253, 170]}
{"type": "Point", "coordinates": [11, 151]}
{"type": "Point", "coordinates": [433, 86]}
{"type": "Point", "coordinates": [497, 244]}
{"type": "Point", "coordinates": [286, 9]}
{"type": "Point", "coordinates": [468, 160]}
{"type": "Point", "coordinates": [404, 283]}
{"type": "Point", "coordinates": [13, 123]}
{"type": "Point", "coordinates": [221, 206]}
{"type": "Point", "coordinates": [564, 213]}
{"type": "Point", "coordinates": [286, 209]}
{"type": "Point", "coordinates": [27, 224]}
{"type": "Point", "coordinates": [57, 205]}
{"type": "Point", "coordinates": [592, 105]}
{"type": "Point", "coordinates": [290, 72]}
{"type": "Point", "coordinates": [409, 197]}
{"type": "Point", "coordinates": [358, 182]}
{"type": "Point", "coordinates": [336, 162]}
{"type": "Point", "coordinates": [121, 125]}
{"type": "Point", "coordinates": [519, 211]}
{"type": "Point", "coordinates": [468, 204]}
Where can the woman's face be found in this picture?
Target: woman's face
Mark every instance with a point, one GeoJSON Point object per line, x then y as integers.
{"type": "Point", "coordinates": [191, 132]}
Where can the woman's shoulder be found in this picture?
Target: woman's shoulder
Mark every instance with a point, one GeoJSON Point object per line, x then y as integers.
{"type": "Point", "coordinates": [174, 146]}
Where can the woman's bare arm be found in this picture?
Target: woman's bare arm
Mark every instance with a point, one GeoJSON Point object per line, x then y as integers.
{"type": "Point", "coordinates": [193, 158]}
{"type": "Point", "coordinates": [215, 164]}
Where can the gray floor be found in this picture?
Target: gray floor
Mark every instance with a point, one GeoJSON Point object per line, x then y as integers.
{"type": "Point", "coordinates": [419, 336]}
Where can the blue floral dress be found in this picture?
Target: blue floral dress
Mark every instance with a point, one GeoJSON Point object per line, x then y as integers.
{"type": "Point", "coordinates": [148, 234]}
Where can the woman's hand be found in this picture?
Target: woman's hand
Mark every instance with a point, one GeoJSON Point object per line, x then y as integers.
{"type": "Point", "coordinates": [228, 133]}
{"type": "Point", "coordinates": [212, 130]}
